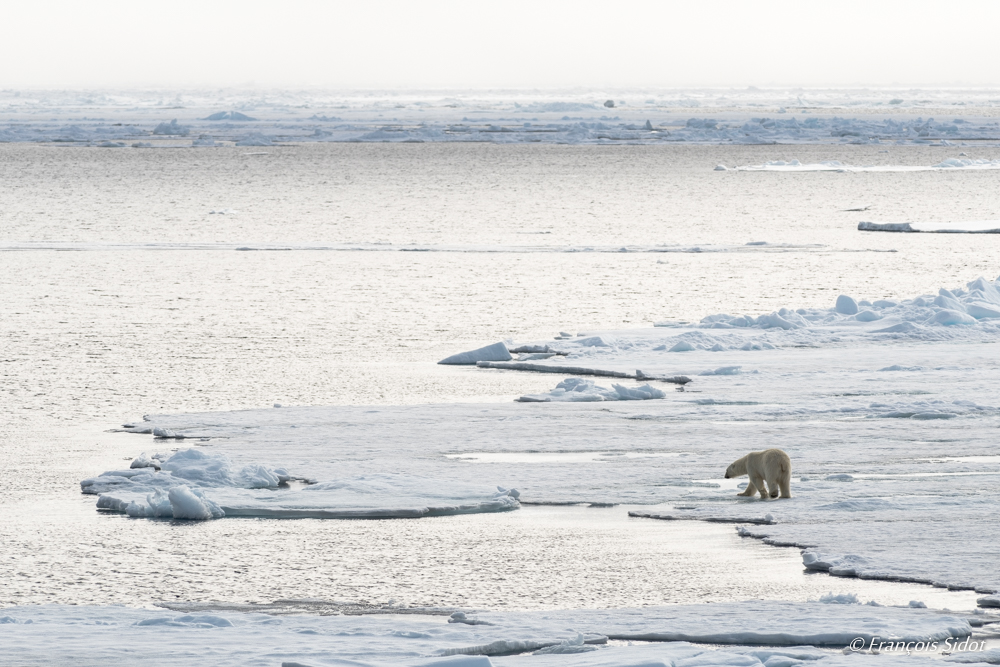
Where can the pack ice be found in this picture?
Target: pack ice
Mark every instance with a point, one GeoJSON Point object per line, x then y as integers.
{"type": "Point", "coordinates": [748, 634]}
{"type": "Point", "coordinates": [887, 407]}
{"type": "Point", "coordinates": [250, 118]}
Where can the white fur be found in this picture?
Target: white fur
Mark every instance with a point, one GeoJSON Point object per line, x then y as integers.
{"type": "Point", "coordinates": [771, 467]}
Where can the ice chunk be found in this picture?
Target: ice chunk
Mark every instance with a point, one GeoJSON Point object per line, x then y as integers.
{"type": "Point", "coordinates": [228, 115]}
{"type": "Point", "coordinates": [867, 316]}
{"type": "Point", "coordinates": [982, 311]}
{"type": "Point", "coordinates": [144, 461]}
{"type": "Point", "coordinates": [172, 128]}
{"type": "Point", "coordinates": [841, 598]}
{"type": "Point", "coordinates": [682, 346]}
{"type": "Point", "coordinates": [846, 305]}
{"type": "Point", "coordinates": [592, 341]}
{"type": "Point", "coordinates": [577, 390]}
{"type": "Point", "coordinates": [494, 352]}
{"type": "Point", "coordinates": [952, 317]}
{"type": "Point", "coordinates": [192, 504]}
{"type": "Point", "coordinates": [721, 167]}
{"type": "Point", "coordinates": [723, 370]}
{"type": "Point", "coordinates": [566, 647]}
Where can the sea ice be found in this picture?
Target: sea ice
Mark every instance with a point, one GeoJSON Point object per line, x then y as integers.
{"type": "Point", "coordinates": [748, 634]}
{"type": "Point", "coordinates": [198, 486]}
{"type": "Point", "coordinates": [494, 352]}
{"type": "Point", "coordinates": [578, 390]}
{"type": "Point", "coordinates": [971, 227]}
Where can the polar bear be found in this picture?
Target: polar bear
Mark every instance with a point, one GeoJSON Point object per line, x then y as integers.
{"type": "Point", "coordinates": [771, 466]}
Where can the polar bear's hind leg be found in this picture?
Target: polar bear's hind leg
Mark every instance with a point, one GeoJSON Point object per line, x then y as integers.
{"type": "Point", "coordinates": [785, 477]}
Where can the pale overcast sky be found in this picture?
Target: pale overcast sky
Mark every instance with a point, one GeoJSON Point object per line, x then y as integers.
{"type": "Point", "coordinates": [442, 44]}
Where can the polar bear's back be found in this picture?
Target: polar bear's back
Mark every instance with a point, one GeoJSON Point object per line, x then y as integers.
{"type": "Point", "coordinates": [770, 460]}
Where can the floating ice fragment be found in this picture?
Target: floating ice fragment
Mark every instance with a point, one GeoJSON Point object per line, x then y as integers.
{"type": "Point", "coordinates": [867, 316]}
{"type": "Point", "coordinates": [840, 598]}
{"type": "Point", "coordinates": [916, 604]}
{"type": "Point", "coordinates": [724, 370]}
{"type": "Point", "coordinates": [192, 504]}
{"type": "Point", "coordinates": [682, 346]}
{"type": "Point", "coordinates": [577, 390]}
{"type": "Point", "coordinates": [494, 352]}
{"type": "Point", "coordinates": [144, 460]}
{"type": "Point", "coordinates": [721, 167]}
{"type": "Point", "coordinates": [172, 128]}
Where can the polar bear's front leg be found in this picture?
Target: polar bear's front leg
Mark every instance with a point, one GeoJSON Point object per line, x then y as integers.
{"type": "Point", "coordinates": [749, 491]}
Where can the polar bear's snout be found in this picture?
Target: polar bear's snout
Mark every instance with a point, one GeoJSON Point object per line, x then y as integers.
{"type": "Point", "coordinates": [769, 472]}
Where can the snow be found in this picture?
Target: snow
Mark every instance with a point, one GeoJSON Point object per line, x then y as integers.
{"type": "Point", "coordinates": [494, 352]}
{"type": "Point", "coordinates": [576, 390]}
{"type": "Point", "coordinates": [740, 634]}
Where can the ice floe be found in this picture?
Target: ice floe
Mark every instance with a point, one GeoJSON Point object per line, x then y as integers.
{"type": "Point", "coordinates": [892, 419]}
{"type": "Point", "coordinates": [195, 485]}
{"type": "Point", "coordinates": [746, 634]}
{"type": "Point", "coordinates": [971, 227]}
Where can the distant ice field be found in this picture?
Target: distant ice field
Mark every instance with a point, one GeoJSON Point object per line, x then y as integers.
{"type": "Point", "coordinates": [92, 340]}
{"type": "Point", "coordinates": [254, 120]}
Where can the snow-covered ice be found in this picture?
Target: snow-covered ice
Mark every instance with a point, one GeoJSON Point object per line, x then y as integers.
{"type": "Point", "coordinates": [943, 117]}
{"type": "Point", "coordinates": [969, 227]}
{"type": "Point", "coordinates": [494, 352]}
{"type": "Point", "coordinates": [891, 419]}
{"type": "Point", "coordinates": [577, 390]}
{"type": "Point", "coordinates": [741, 634]}
{"type": "Point", "coordinates": [196, 485]}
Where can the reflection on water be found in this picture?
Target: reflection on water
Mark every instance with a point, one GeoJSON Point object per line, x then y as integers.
{"type": "Point", "coordinates": [537, 557]}
{"type": "Point", "coordinates": [557, 457]}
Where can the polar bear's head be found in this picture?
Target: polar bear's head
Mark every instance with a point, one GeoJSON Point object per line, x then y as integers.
{"type": "Point", "coordinates": [737, 468]}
